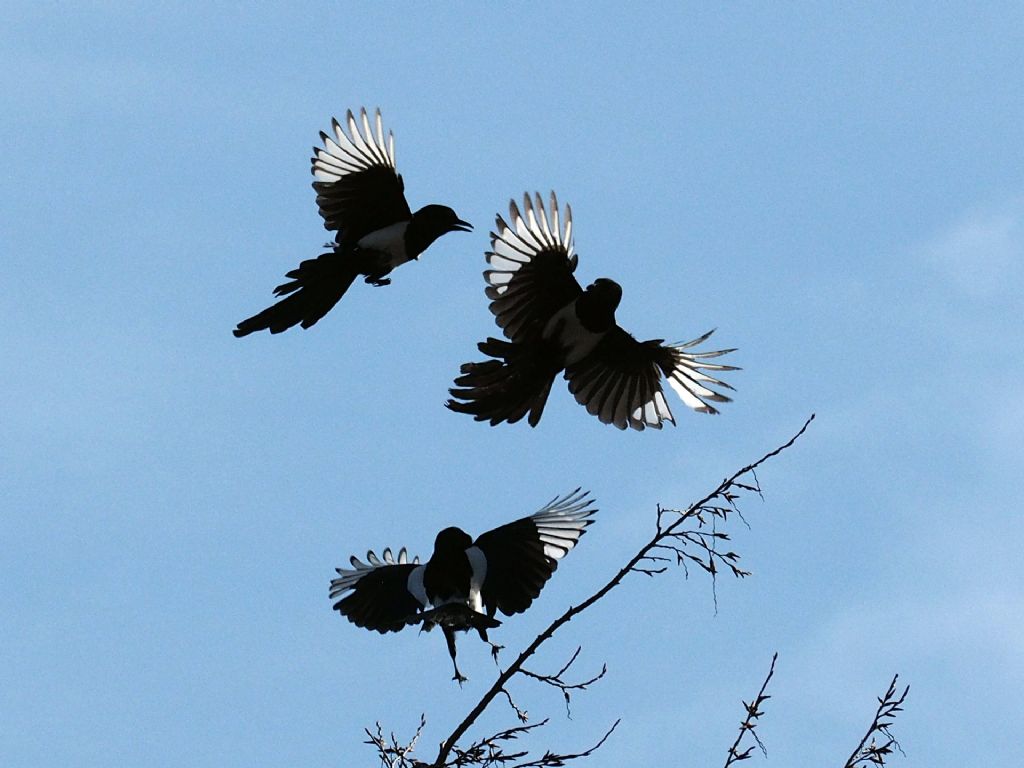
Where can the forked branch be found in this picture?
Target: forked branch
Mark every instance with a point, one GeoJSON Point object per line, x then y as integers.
{"type": "Point", "coordinates": [677, 534]}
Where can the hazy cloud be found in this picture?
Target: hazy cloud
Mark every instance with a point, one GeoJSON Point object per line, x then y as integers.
{"type": "Point", "coordinates": [981, 253]}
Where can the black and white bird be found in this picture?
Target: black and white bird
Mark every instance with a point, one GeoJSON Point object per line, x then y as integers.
{"type": "Point", "coordinates": [465, 582]}
{"type": "Point", "coordinates": [361, 197]}
{"type": "Point", "coordinates": [553, 325]}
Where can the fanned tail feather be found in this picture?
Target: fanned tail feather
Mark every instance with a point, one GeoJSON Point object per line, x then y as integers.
{"type": "Point", "coordinates": [516, 382]}
{"type": "Point", "coordinates": [456, 616]}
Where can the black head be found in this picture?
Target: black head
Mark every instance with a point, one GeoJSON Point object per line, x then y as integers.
{"type": "Point", "coordinates": [608, 290]}
{"type": "Point", "coordinates": [428, 224]}
{"type": "Point", "coordinates": [596, 307]}
{"type": "Point", "coordinates": [441, 219]}
{"type": "Point", "coordinates": [452, 540]}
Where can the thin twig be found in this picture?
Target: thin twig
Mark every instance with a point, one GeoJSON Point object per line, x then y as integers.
{"type": "Point", "coordinates": [554, 760]}
{"type": "Point", "coordinates": [391, 754]}
{"type": "Point", "coordinates": [749, 723]}
{"type": "Point", "coordinates": [490, 751]}
{"type": "Point", "coordinates": [558, 681]}
{"type": "Point", "coordinates": [874, 753]}
{"type": "Point", "coordinates": [521, 714]}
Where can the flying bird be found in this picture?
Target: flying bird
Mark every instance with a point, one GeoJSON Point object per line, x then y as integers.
{"type": "Point", "coordinates": [553, 325]}
{"type": "Point", "coordinates": [361, 197]}
{"type": "Point", "coordinates": [465, 582]}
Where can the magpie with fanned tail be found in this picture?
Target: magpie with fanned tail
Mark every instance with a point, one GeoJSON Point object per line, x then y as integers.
{"type": "Point", "coordinates": [361, 197]}
{"type": "Point", "coordinates": [465, 582]}
{"type": "Point", "coordinates": [553, 325]}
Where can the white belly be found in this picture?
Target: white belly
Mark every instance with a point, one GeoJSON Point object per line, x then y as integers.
{"type": "Point", "coordinates": [390, 242]}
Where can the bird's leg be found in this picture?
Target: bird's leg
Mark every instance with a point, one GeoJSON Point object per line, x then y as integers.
{"type": "Point", "coordinates": [449, 635]}
{"type": "Point", "coordinates": [495, 648]}
{"type": "Point", "coordinates": [374, 265]}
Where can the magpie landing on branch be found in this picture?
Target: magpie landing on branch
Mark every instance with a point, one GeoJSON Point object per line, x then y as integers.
{"type": "Point", "coordinates": [554, 325]}
{"type": "Point", "coordinates": [465, 582]}
{"type": "Point", "coordinates": [361, 197]}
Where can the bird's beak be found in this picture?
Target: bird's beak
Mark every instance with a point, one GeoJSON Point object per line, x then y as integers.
{"type": "Point", "coordinates": [462, 226]}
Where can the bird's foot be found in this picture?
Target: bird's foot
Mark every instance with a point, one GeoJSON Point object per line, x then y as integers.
{"type": "Point", "coordinates": [495, 649]}
{"type": "Point", "coordinates": [377, 282]}
{"type": "Point", "coordinates": [459, 678]}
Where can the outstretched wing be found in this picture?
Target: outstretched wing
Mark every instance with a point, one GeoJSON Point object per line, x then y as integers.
{"type": "Point", "coordinates": [357, 187]}
{"type": "Point", "coordinates": [532, 262]}
{"type": "Point", "coordinates": [383, 598]}
{"type": "Point", "coordinates": [521, 556]}
{"type": "Point", "coordinates": [620, 381]}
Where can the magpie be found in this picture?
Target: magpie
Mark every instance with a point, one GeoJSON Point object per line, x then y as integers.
{"type": "Point", "coordinates": [465, 582]}
{"type": "Point", "coordinates": [361, 197]}
{"type": "Point", "coordinates": [553, 325]}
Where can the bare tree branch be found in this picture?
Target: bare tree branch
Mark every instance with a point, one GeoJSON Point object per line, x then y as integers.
{"type": "Point", "coordinates": [522, 714]}
{"type": "Point", "coordinates": [749, 723]}
{"type": "Point", "coordinates": [683, 537]}
{"type": "Point", "coordinates": [874, 753]}
{"type": "Point", "coordinates": [554, 760]}
{"type": "Point", "coordinates": [391, 754]}
{"type": "Point", "coordinates": [557, 680]}
{"type": "Point", "coordinates": [672, 537]}
{"type": "Point", "coordinates": [490, 751]}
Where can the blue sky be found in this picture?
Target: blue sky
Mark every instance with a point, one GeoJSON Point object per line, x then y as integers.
{"type": "Point", "coordinates": [838, 192]}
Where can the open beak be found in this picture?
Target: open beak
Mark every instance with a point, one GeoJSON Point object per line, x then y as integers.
{"type": "Point", "coordinates": [462, 226]}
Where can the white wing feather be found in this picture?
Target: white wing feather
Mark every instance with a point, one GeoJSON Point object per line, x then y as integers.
{"type": "Point", "coordinates": [562, 521]}
{"type": "Point", "coordinates": [515, 244]}
{"type": "Point", "coordinates": [349, 577]}
{"type": "Point", "coordinates": [354, 149]}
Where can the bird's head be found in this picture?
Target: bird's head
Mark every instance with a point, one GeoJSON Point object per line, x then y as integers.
{"type": "Point", "coordinates": [452, 540]}
{"type": "Point", "coordinates": [441, 219]}
{"type": "Point", "coordinates": [428, 224]}
{"type": "Point", "coordinates": [596, 307]}
{"type": "Point", "coordinates": [607, 291]}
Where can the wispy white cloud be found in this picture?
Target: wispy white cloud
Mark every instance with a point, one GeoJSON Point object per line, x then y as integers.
{"type": "Point", "coordinates": [981, 253]}
{"type": "Point", "coordinates": [985, 621]}
{"type": "Point", "coordinates": [971, 634]}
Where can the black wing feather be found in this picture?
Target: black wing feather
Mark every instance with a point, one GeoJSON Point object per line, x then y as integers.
{"type": "Point", "coordinates": [522, 555]}
{"type": "Point", "coordinates": [358, 189]}
{"type": "Point", "coordinates": [620, 381]}
{"type": "Point", "coordinates": [619, 368]}
{"type": "Point", "coordinates": [517, 568]}
{"type": "Point", "coordinates": [532, 265]}
{"type": "Point", "coordinates": [380, 599]}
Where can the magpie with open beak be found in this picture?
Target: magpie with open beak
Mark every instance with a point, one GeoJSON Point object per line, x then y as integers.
{"type": "Point", "coordinates": [553, 325]}
{"type": "Point", "coordinates": [465, 582]}
{"type": "Point", "coordinates": [361, 197]}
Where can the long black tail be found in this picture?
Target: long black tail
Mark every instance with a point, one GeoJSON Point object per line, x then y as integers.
{"type": "Point", "coordinates": [516, 382]}
{"type": "Point", "coordinates": [316, 286]}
